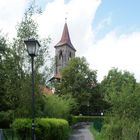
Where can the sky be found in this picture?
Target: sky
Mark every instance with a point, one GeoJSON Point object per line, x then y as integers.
{"type": "Point", "coordinates": [105, 32]}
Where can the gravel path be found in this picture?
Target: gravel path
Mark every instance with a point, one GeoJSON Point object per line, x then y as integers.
{"type": "Point", "coordinates": [81, 133]}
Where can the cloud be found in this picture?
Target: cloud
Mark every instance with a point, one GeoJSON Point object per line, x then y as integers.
{"type": "Point", "coordinates": [120, 51]}
{"type": "Point", "coordinates": [80, 16]}
{"type": "Point", "coordinates": [105, 22]}
{"type": "Point", "coordinates": [11, 13]}
{"type": "Point", "coordinates": [112, 50]}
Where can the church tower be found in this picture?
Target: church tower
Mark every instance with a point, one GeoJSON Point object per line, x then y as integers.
{"type": "Point", "coordinates": [64, 51]}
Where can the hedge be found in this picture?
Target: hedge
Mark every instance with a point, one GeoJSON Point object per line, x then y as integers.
{"type": "Point", "coordinates": [97, 120]}
{"type": "Point", "coordinates": [5, 118]}
{"type": "Point", "coordinates": [46, 129]}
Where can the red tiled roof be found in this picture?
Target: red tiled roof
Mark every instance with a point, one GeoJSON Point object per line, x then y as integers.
{"type": "Point", "coordinates": [65, 39]}
{"type": "Point", "coordinates": [46, 90]}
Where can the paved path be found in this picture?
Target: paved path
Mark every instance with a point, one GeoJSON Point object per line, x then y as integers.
{"type": "Point", "coordinates": [81, 133]}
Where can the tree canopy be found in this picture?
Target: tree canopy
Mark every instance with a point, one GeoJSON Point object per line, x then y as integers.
{"type": "Point", "coordinates": [80, 81]}
{"type": "Point", "coordinates": [123, 94]}
{"type": "Point", "coordinates": [117, 81]}
{"type": "Point", "coordinates": [15, 77]}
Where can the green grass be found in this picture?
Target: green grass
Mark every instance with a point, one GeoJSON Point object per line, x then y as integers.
{"type": "Point", "coordinates": [97, 135]}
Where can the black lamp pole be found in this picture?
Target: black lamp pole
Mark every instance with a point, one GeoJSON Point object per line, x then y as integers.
{"type": "Point", "coordinates": [32, 47]}
{"type": "Point", "coordinates": [33, 99]}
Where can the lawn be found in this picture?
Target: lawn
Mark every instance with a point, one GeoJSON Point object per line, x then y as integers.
{"type": "Point", "coordinates": [97, 135]}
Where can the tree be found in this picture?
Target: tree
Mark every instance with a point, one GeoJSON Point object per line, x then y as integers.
{"type": "Point", "coordinates": [123, 94]}
{"type": "Point", "coordinates": [116, 82]}
{"type": "Point", "coordinates": [9, 81]}
{"type": "Point", "coordinates": [81, 83]}
{"type": "Point", "coordinates": [28, 28]}
{"type": "Point", "coordinates": [3, 58]}
{"type": "Point", "coordinates": [122, 121]}
{"type": "Point", "coordinates": [15, 77]}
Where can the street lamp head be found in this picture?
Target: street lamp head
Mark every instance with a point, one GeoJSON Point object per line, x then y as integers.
{"type": "Point", "coordinates": [32, 46]}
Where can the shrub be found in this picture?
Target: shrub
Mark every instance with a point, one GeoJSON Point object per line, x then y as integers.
{"type": "Point", "coordinates": [5, 118]}
{"type": "Point", "coordinates": [46, 129]}
{"type": "Point", "coordinates": [58, 106]}
{"type": "Point", "coordinates": [121, 128]}
{"type": "Point", "coordinates": [23, 128]}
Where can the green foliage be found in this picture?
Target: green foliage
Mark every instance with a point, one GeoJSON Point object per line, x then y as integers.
{"type": "Point", "coordinates": [77, 78]}
{"type": "Point", "coordinates": [53, 129]}
{"type": "Point", "coordinates": [76, 119]}
{"type": "Point", "coordinates": [117, 82]}
{"type": "Point", "coordinates": [6, 118]}
{"type": "Point", "coordinates": [26, 29]}
{"type": "Point", "coordinates": [58, 106]}
{"type": "Point", "coordinates": [96, 134]}
{"type": "Point", "coordinates": [3, 71]}
{"type": "Point", "coordinates": [23, 128]}
{"type": "Point", "coordinates": [123, 94]}
{"type": "Point", "coordinates": [59, 129]}
{"type": "Point", "coordinates": [43, 127]}
{"type": "Point", "coordinates": [15, 71]}
{"type": "Point", "coordinates": [127, 105]}
{"type": "Point", "coordinates": [80, 82]}
{"type": "Point", "coordinates": [9, 81]}
{"type": "Point", "coordinates": [9, 134]}
{"type": "Point", "coordinates": [97, 121]}
{"type": "Point", "coordinates": [118, 129]}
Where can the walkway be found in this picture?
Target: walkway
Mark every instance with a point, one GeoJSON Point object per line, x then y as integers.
{"type": "Point", "coordinates": [81, 133]}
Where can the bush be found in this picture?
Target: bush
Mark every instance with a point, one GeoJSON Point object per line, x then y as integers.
{"type": "Point", "coordinates": [6, 118]}
{"type": "Point", "coordinates": [23, 128]}
{"type": "Point", "coordinates": [46, 129]}
{"type": "Point", "coordinates": [58, 106]}
{"type": "Point", "coordinates": [8, 134]}
{"type": "Point", "coordinates": [121, 128]}
{"type": "Point", "coordinates": [97, 120]}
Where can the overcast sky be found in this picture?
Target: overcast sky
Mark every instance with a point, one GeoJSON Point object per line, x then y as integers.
{"type": "Point", "coordinates": [106, 32]}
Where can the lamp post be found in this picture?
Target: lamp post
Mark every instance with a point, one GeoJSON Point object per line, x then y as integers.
{"type": "Point", "coordinates": [32, 48]}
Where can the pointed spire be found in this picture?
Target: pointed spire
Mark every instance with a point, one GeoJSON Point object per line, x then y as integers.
{"type": "Point", "coordinates": [65, 19]}
{"type": "Point", "coordinates": [65, 39]}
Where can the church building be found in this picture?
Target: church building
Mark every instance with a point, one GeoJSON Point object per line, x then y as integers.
{"type": "Point", "coordinates": [64, 51]}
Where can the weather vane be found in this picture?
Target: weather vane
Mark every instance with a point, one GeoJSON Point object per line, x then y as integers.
{"type": "Point", "coordinates": [66, 14]}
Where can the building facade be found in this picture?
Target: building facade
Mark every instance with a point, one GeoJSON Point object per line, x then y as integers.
{"type": "Point", "coordinates": [64, 51]}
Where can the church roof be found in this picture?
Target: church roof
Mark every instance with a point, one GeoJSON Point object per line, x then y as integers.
{"type": "Point", "coordinates": [46, 90]}
{"type": "Point", "coordinates": [65, 39]}
{"type": "Point", "coordinates": [56, 76]}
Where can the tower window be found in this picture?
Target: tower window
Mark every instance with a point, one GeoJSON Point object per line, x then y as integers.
{"type": "Point", "coordinates": [70, 56]}
{"type": "Point", "coordinates": [60, 55]}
